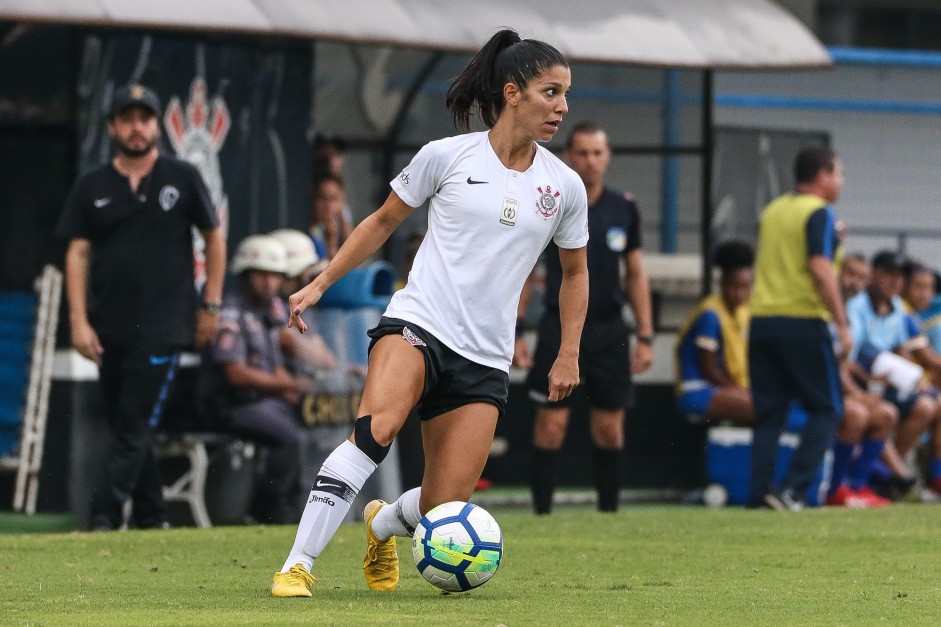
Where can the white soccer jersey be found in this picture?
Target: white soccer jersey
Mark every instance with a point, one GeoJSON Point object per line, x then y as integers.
{"type": "Point", "coordinates": [487, 226]}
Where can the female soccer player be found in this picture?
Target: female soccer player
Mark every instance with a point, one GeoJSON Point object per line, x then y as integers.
{"type": "Point", "coordinates": [445, 343]}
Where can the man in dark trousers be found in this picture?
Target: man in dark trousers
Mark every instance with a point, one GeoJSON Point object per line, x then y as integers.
{"type": "Point", "coordinates": [791, 350]}
{"type": "Point", "coordinates": [605, 360]}
{"type": "Point", "coordinates": [133, 305]}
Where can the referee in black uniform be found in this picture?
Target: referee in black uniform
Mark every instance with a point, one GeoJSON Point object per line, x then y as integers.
{"type": "Point", "coordinates": [132, 301]}
{"type": "Point", "coordinates": [605, 362]}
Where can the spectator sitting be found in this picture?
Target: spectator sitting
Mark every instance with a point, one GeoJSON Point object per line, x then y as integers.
{"type": "Point", "coordinates": [247, 379]}
{"type": "Point", "coordinates": [711, 357]}
{"type": "Point", "coordinates": [330, 226]}
{"type": "Point", "coordinates": [923, 303]}
{"type": "Point", "coordinates": [879, 324]}
{"type": "Point", "coordinates": [893, 479]}
{"type": "Point", "coordinates": [303, 264]}
{"type": "Point", "coordinates": [854, 275]}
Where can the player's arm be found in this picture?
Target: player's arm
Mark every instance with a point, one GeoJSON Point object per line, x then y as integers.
{"type": "Point", "coordinates": [638, 293]}
{"type": "Point", "coordinates": [573, 305]}
{"type": "Point", "coordinates": [77, 261]}
{"type": "Point", "coordinates": [207, 322]}
{"type": "Point", "coordinates": [363, 243]}
{"type": "Point", "coordinates": [821, 236]}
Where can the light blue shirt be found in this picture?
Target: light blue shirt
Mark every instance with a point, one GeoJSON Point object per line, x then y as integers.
{"type": "Point", "coordinates": [872, 333]}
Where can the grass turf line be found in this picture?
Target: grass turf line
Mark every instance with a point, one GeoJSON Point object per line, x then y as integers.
{"type": "Point", "coordinates": [664, 565]}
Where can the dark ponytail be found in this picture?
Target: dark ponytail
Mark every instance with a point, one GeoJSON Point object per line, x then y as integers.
{"type": "Point", "coordinates": [505, 58]}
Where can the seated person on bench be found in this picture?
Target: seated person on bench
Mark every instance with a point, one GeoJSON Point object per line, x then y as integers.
{"type": "Point", "coordinates": [247, 381]}
{"type": "Point", "coordinates": [712, 350]}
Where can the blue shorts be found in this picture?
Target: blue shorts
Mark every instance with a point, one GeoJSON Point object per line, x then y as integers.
{"type": "Point", "coordinates": [905, 406]}
{"type": "Point", "coordinates": [695, 401]}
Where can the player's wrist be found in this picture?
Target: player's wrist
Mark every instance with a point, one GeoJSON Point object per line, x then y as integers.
{"type": "Point", "coordinates": [213, 307]}
{"type": "Point", "coordinates": [645, 338]}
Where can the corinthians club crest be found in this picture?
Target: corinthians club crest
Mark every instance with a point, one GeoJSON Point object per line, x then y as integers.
{"type": "Point", "coordinates": [548, 203]}
{"type": "Point", "coordinates": [197, 136]}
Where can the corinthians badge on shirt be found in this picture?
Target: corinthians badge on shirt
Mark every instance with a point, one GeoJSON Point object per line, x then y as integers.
{"type": "Point", "coordinates": [508, 213]}
{"type": "Point", "coordinates": [548, 203]}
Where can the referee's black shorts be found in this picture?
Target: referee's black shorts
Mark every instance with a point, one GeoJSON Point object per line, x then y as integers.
{"type": "Point", "coordinates": [603, 363]}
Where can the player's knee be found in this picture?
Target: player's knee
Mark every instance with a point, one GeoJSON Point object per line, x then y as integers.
{"type": "Point", "coordinates": [367, 443]}
{"type": "Point", "coordinates": [549, 434]}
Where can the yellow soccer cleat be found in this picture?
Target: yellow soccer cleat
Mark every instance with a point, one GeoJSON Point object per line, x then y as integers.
{"type": "Point", "coordinates": [297, 582]}
{"type": "Point", "coordinates": [381, 564]}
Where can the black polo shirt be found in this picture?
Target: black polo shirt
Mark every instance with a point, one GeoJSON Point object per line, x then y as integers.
{"type": "Point", "coordinates": [141, 281]}
{"type": "Point", "coordinates": [613, 232]}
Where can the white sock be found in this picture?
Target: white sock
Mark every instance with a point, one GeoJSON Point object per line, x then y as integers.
{"type": "Point", "coordinates": [340, 479]}
{"type": "Point", "coordinates": [399, 518]}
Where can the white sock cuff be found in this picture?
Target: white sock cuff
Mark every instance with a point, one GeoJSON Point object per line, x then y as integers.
{"type": "Point", "coordinates": [409, 502]}
{"type": "Point", "coordinates": [349, 464]}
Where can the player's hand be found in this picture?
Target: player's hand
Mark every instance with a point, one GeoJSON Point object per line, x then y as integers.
{"type": "Point", "coordinates": [563, 378]}
{"type": "Point", "coordinates": [207, 324]}
{"type": "Point", "coordinates": [307, 296]}
{"type": "Point", "coordinates": [846, 341]}
{"type": "Point", "coordinates": [521, 356]}
{"type": "Point", "coordinates": [85, 341]}
{"type": "Point", "coordinates": [642, 359]}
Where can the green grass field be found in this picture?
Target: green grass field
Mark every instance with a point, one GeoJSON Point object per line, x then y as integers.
{"type": "Point", "coordinates": [663, 565]}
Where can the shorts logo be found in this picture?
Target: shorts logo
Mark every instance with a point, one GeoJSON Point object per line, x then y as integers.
{"type": "Point", "coordinates": [548, 203]}
{"type": "Point", "coordinates": [168, 197]}
{"type": "Point", "coordinates": [411, 338]}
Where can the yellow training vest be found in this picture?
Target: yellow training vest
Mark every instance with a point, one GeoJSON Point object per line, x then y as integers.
{"type": "Point", "coordinates": [783, 285]}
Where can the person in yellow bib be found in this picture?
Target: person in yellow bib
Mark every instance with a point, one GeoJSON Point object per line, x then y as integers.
{"type": "Point", "coordinates": [791, 352]}
{"type": "Point", "coordinates": [712, 350]}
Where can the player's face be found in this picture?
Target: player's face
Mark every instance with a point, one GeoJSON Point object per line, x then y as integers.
{"type": "Point", "coordinates": [886, 284]}
{"type": "Point", "coordinates": [832, 182]}
{"type": "Point", "coordinates": [543, 103]}
{"type": "Point", "coordinates": [736, 287]}
{"type": "Point", "coordinates": [134, 131]}
{"type": "Point", "coordinates": [854, 277]}
{"type": "Point", "coordinates": [328, 201]}
{"type": "Point", "coordinates": [920, 290]}
{"type": "Point", "coordinates": [589, 155]}
{"type": "Point", "coordinates": [264, 285]}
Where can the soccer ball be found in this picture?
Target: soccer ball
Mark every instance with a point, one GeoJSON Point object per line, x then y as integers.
{"type": "Point", "coordinates": [457, 546]}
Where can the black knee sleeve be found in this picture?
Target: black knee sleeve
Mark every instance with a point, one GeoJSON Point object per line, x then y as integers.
{"type": "Point", "coordinates": [362, 432]}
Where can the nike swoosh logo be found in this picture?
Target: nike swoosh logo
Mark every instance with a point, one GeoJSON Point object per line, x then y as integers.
{"type": "Point", "coordinates": [159, 361]}
{"type": "Point", "coordinates": [101, 202]}
{"type": "Point", "coordinates": [323, 484]}
{"type": "Point", "coordinates": [471, 181]}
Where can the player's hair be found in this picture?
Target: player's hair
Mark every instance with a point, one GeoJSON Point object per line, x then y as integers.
{"type": "Point", "coordinates": [912, 267]}
{"type": "Point", "coordinates": [810, 161]}
{"type": "Point", "coordinates": [857, 256]}
{"type": "Point", "coordinates": [587, 127]}
{"type": "Point", "coordinates": [505, 58]}
{"type": "Point", "coordinates": [734, 255]}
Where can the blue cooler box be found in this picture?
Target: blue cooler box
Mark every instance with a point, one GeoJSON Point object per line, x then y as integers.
{"type": "Point", "coordinates": [728, 463]}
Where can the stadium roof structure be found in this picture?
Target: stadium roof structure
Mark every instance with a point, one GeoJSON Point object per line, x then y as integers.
{"type": "Point", "coordinates": [693, 34]}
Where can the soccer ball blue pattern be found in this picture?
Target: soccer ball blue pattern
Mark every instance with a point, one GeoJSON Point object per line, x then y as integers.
{"type": "Point", "coordinates": [457, 546]}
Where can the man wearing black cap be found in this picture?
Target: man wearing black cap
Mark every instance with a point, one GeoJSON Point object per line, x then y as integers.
{"type": "Point", "coordinates": [880, 324]}
{"type": "Point", "coordinates": [132, 300]}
